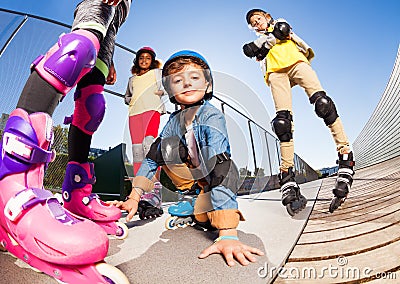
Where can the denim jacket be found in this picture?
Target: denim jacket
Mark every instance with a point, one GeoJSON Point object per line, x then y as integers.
{"type": "Point", "coordinates": [209, 127]}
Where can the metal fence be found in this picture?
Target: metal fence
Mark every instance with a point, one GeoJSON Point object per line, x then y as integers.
{"type": "Point", "coordinates": [255, 150]}
{"type": "Point", "coordinates": [380, 137]}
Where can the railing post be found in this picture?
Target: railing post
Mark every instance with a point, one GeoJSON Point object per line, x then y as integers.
{"type": "Point", "coordinates": [252, 146]}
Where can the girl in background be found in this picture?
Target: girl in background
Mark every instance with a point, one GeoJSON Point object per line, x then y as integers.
{"type": "Point", "coordinates": [143, 95]}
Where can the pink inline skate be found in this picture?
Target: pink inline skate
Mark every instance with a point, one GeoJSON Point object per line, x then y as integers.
{"type": "Point", "coordinates": [33, 225]}
{"type": "Point", "coordinates": [79, 199]}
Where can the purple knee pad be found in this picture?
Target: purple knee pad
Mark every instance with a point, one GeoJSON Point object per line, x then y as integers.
{"type": "Point", "coordinates": [68, 60]}
{"type": "Point", "coordinates": [90, 107]}
{"type": "Point", "coordinates": [77, 176]}
{"type": "Point", "coordinates": [20, 148]}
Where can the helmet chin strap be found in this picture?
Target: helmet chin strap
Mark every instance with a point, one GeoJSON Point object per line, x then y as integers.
{"type": "Point", "coordinates": [198, 103]}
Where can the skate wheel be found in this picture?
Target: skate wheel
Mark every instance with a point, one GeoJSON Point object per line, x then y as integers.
{"type": "Point", "coordinates": [296, 206]}
{"type": "Point", "coordinates": [111, 274]}
{"type": "Point", "coordinates": [182, 225]}
{"type": "Point", "coordinates": [2, 247]}
{"type": "Point", "coordinates": [141, 215]}
{"type": "Point", "coordinates": [303, 201]}
{"type": "Point", "coordinates": [122, 231]}
{"type": "Point", "coordinates": [290, 210]}
{"type": "Point", "coordinates": [170, 223]}
{"type": "Point", "coordinates": [335, 203]}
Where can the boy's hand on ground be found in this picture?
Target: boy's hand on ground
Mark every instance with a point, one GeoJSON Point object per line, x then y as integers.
{"type": "Point", "coordinates": [231, 250]}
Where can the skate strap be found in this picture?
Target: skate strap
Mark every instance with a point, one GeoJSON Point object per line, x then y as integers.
{"type": "Point", "coordinates": [81, 178]}
{"type": "Point", "coordinates": [343, 179]}
{"type": "Point", "coordinates": [25, 199]}
{"type": "Point", "coordinates": [26, 150]}
{"type": "Point", "coordinates": [288, 185]}
{"type": "Point", "coordinates": [345, 163]}
{"type": "Point", "coordinates": [288, 178]}
{"type": "Point", "coordinates": [29, 197]}
{"type": "Point", "coordinates": [68, 119]}
{"type": "Point", "coordinates": [345, 171]}
{"type": "Point", "coordinates": [87, 199]}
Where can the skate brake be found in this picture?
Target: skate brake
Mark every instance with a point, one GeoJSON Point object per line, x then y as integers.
{"type": "Point", "coordinates": [24, 200]}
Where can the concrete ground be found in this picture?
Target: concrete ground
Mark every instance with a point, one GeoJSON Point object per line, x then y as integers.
{"type": "Point", "coordinates": [153, 254]}
{"type": "Point", "coordinates": [358, 243]}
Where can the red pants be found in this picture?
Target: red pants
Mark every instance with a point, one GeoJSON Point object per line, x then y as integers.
{"type": "Point", "coordinates": [142, 125]}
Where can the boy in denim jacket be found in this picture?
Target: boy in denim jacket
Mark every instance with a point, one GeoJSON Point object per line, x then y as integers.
{"type": "Point", "coordinates": [193, 149]}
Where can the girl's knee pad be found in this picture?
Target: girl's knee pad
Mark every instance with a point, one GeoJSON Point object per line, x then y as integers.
{"type": "Point", "coordinates": [90, 106]}
{"type": "Point", "coordinates": [73, 56]}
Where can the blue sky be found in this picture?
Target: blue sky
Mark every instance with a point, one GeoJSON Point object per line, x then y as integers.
{"type": "Point", "coordinates": [355, 43]}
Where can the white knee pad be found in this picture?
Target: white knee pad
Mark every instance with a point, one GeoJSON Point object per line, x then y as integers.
{"type": "Point", "coordinates": [147, 141]}
{"type": "Point", "coordinates": [137, 153]}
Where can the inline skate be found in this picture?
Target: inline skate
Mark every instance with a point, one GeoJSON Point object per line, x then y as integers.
{"type": "Point", "coordinates": [182, 212]}
{"type": "Point", "coordinates": [150, 203]}
{"type": "Point", "coordinates": [79, 199]}
{"type": "Point", "coordinates": [34, 226]}
{"type": "Point", "coordinates": [344, 180]}
{"type": "Point", "coordinates": [292, 199]}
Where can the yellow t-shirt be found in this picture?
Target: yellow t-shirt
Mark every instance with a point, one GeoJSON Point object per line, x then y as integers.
{"type": "Point", "coordinates": [282, 55]}
{"type": "Point", "coordinates": [142, 90]}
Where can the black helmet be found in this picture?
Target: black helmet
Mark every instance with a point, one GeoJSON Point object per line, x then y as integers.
{"type": "Point", "coordinates": [251, 12]}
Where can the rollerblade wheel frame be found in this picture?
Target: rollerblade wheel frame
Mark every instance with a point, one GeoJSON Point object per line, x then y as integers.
{"type": "Point", "coordinates": [335, 203]}
{"type": "Point", "coordinates": [296, 206]}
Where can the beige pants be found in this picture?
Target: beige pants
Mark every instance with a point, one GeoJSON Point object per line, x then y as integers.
{"type": "Point", "coordinates": [281, 84]}
{"type": "Point", "coordinates": [182, 178]}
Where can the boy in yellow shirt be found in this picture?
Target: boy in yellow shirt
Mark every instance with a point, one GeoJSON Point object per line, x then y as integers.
{"type": "Point", "coordinates": [286, 59]}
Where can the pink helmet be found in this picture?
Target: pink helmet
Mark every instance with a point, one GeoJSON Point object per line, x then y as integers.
{"type": "Point", "coordinates": [146, 49]}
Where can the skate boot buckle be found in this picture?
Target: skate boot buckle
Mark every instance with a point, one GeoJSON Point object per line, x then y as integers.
{"type": "Point", "coordinates": [26, 150]}
{"type": "Point", "coordinates": [14, 146]}
{"type": "Point", "coordinates": [23, 200]}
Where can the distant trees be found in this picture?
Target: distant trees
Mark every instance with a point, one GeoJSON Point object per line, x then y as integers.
{"type": "Point", "coordinates": [60, 144]}
{"type": "Point", "coordinates": [55, 172]}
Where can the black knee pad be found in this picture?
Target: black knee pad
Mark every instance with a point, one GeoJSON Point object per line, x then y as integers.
{"type": "Point", "coordinates": [282, 125]}
{"type": "Point", "coordinates": [324, 107]}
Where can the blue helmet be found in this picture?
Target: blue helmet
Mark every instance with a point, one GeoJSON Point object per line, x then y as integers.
{"type": "Point", "coordinates": [197, 58]}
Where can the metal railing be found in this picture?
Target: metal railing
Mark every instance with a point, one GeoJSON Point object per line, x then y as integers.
{"type": "Point", "coordinates": [22, 39]}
